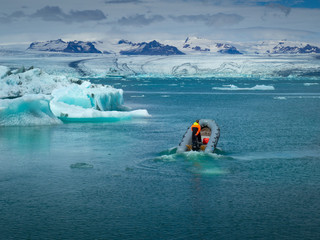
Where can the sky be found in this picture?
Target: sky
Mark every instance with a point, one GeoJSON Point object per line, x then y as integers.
{"type": "Point", "coordinates": [25, 21]}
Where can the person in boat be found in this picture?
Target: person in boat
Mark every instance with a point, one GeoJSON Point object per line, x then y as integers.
{"type": "Point", "coordinates": [196, 136]}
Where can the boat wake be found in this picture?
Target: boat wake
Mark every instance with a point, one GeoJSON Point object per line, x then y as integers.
{"type": "Point", "coordinates": [199, 163]}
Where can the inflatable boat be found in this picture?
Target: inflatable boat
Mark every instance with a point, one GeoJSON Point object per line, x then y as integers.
{"type": "Point", "coordinates": [210, 134]}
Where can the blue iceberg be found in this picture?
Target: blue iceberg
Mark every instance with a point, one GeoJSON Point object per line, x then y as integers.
{"type": "Point", "coordinates": [32, 97]}
{"type": "Point", "coordinates": [86, 102]}
{"type": "Point", "coordinates": [28, 110]}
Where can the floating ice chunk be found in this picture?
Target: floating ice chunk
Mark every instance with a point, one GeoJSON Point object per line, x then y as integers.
{"type": "Point", "coordinates": [16, 83]}
{"type": "Point", "coordinates": [87, 95]}
{"type": "Point", "coordinates": [310, 84]}
{"type": "Point", "coordinates": [137, 96]}
{"type": "Point", "coordinates": [26, 111]}
{"type": "Point", "coordinates": [3, 71]}
{"type": "Point", "coordinates": [72, 113]}
{"type": "Point", "coordinates": [55, 97]}
{"type": "Point", "coordinates": [232, 87]}
{"type": "Point", "coordinates": [89, 102]}
{"type": "Point", "coordinates": [280, 98]}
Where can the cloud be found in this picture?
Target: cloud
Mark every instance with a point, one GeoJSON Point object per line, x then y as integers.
{"type": "Point", "coordinates": [140, 20]}
{"type": "Point", "coordinates": [87, 15]}
{"type": "Point", "coordinates": [219, 19]}
{"type": "Point", "coordinates": [275, 10]}
{"type": "Point", "coordinates": [285, 10]}
{"type": "Point", "coordinates": [50, 14]}
{"type": "Point", "coordinates": [17, 14]}
{"type": "Point", "coordinates": [4, 20]}
{"type": "Point", "coordinates": [13, 16]}
{"type": "Point", "coordinates": [54, 13]}
{"type": "Point", "coordinates": [266, 33]}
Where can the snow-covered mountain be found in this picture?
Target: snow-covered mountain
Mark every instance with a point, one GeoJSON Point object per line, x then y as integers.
{"type": "Point", "coordinates": [62, 46]}
{"type": "Point", "coordinates": [192, 44]}
{"type": "Point", "coordinates": [150, 48]}
{"type": "Point", "coordinates": [122, 47]}
{"type": "Point", "coordinates": [81, 47]}
{"type": "Point", "coordinates": [278, 47]}
{"type": "Point", "coordinates": [202, 45]}
{"type": "Point", "coordinates": [51, 46]}
{"type": "Point", "coordinates": [293, 48]}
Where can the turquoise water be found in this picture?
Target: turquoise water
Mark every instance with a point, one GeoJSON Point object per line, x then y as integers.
{"type": "Point", "coordinates": [123, 180]}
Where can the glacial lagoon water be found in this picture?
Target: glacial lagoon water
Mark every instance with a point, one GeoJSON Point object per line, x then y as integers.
{"type": "Point", "coordinates": [123, 179]}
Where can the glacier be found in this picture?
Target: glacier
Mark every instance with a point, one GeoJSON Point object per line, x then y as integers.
{"type": "Point", "coordinates": [90, 66]}
{"type": "Point", "coordinates": [203, 65]}
{"type": "Point", "coordinates": [32, 97]}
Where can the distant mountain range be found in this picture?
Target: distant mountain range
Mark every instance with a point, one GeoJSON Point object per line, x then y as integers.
{"type": "Point", "coordinates": [130, 48]}
{"type": "Point", "coordinates": [192, 45]}
{"type": "Point", "coordinates": [62, 46]}
{"type": "Point", "coordinates": [280, 47]}
{"type": "Point", "coordinates": [205, 45]}
{"type": "Point", "coordinates": [151, 48]}
{"type": "Point", "coordinates": [283, 47]}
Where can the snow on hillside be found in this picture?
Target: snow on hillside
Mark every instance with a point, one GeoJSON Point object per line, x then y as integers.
{"type": "Point", "coordinates": [51, 46]}
{"type": "Point", "coordinates": [278, 47]}
{"type": "Point", "coordinates": [81, 47]}
{"type": "Point", "coordinates": [192, 45]}
{"type": "Point", "coordinates": [62, 46]}
{"type": "Point", "coordinates": [149, 48]}
{"type": "Point", "coordinates": [286, 47]}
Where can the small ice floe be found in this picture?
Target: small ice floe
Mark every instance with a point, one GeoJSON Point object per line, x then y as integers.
{"type": "Point", "coordinates": [310, 84]}
{"type": "Point", "coordinates": [137, 96]}
{"type": "Point", "coordinates": [72, 113]}
{"type": "Point", "coordinates": [232, 87]}
{"type": "Point", "coordinates": [280, 98]}
{"type": "Point", "coordinates": [297, 97]}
